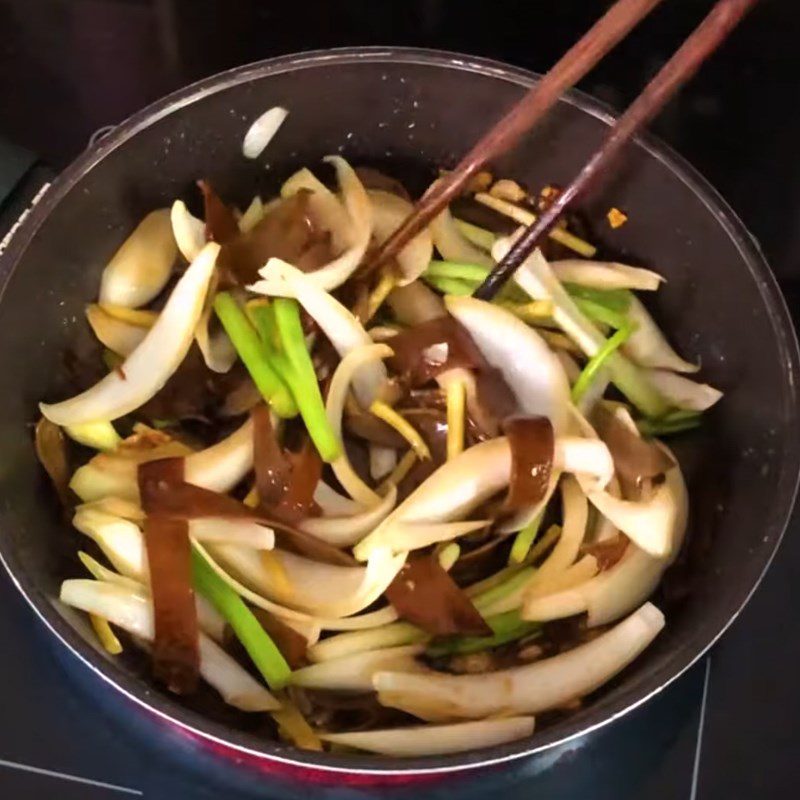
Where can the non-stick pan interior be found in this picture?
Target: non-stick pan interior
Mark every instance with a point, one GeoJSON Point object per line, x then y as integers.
{"type": "Point", "coordinates": [411, 113]}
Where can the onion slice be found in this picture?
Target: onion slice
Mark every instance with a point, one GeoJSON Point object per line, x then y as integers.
{"type": "Point", "coordinates": [218, 468]}
{"type": "Point", "coordinates": [648, 346]}
{"type": "Point", "coordinates": [683, 393]}
{"type": "Point", "coordinates": [650, 523]}
{"type": "Point", "coordinates": [260, 133]}
{"type": "Point", "coordinates": [116, 334]}
{"type": "Point", "coordinates": [529, 367]}
{"type": "Point", "coordinates": [334, 504]}
{"type": "Point", "coordinates": [605, 275]}
{"type": "Point", "coordinates": [246, 533]}
{"type": "Point", "coordinates": [323, 590]}
{"type": "Point", "coordinates": [141, 267]}
{"type": "Point", "coordinates": [356, 201]}
{"type": "Point", "coordinates": [343, 531]}
{"type": "Point", "coordinates": [354, 673]}
{"type": "Point", "coordinates": [432, 740]}
{"type": "Point", "coordinates": [150, 365]}
{"type": "Point", "coordinates": [616, 591]}
{"type": "Point", "coordinates": [348, 370]}
{"type": "Point", "coordinates": [216, 348]}
{"type": "Point", "coordinates": [546, 684]}
{"type": "Point", "coordinates": [119, 539]}
{"type": "Point", "coordinates": [389, 211]}
{"type": "Point", "coordinates": [221, 466]}
{"type": "Point", "coordinates": [189, 232]}
{"type": "Point", "coordinates": [342, 328]}
{"type": "Point", "coordinates": [452, 245]}
{"type": "Point", "coordinates": [134, 613]}
{"type": "Point", "coordinates": [463, 483]}
{"type": "Point", "coordinates": [391, 634]}
{"type": "Point", "coordinates": [455, 489]}
{"type": "Point", "coordinates": [326, 208]}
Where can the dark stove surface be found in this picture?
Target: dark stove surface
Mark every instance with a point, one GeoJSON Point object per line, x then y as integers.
{"type": "Point", "coordinates": [725, 730]}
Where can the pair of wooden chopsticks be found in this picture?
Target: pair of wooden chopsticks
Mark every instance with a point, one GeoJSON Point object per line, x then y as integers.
{"type": "Point", "coordinates": [584, 55]}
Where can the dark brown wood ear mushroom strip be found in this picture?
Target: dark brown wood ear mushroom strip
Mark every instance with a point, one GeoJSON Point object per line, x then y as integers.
{"type": "Point", "coordinates": [704, 40]}
{"type": "Point", "coordinates": [610, 29]}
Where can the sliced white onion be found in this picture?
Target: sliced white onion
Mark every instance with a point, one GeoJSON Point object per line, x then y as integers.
{"type": "Point", "coordinates": [209, 619]}
{"type": "Point", "coordinates": [221, 466]}
{"type": "Point", "coordinates": [416, 535]}
{"type": "Point", "coordinates": [260, 133]}
{"type": "Point", "coordinates": [452, 245]}
{"type": "Point", "coordinates": [382, 460]}
{"type": "Point", "coordinates": [335, 273]}
{"type": "Point", "coordinates": [151, 364]}
{"type": "Point", "coordinates": [245, 533]}
{"type": "Point", "coordinates": [531, 370]}
{"type": "Point", "coordinates": [189, 232]}
{"type": "Point", "coordinates": [586, 457]}
{"type": "Point", "coordinates": [134, 613]}
{"type": "Point", "coordinates": [682, 392]}
{"type": "Point", "coordinates": [349, 643]}
{"type": "Point", "coordinates": [116, 506]}
{"type": "Point", "coordinates": [388, 213]}
{"type": "Point", "coordinates": [347, 530]}
{"type": "Point", "coordinates": [326, 208]}
{"type": "Point", "coordinates": [525, 516]}
{"type": "Point", "coordinates": [120, 540]}
{"type": "Point", "coordinates": [570, 366]}
{"type": "Point", "coordinates": [650, 523]}
{"type": "Point", "coordinates": [218, 468]}
{"type": "Point", "coordinates": [546, 684]}
{"type": "Point", "coordinates": [216, 348]}
{"type": "Point", "coordinates": [432, 740]}
{"type": "Point", "coordinates": [648, 346]}
{"type": "Point", "coordinates": [575, 513]}
{"type": "Point", "coordinates": [141, 267]}
{"type": "Point", "coordinates": [323, 590]}
{"type": "Point", "coordinates": [382, 333]}
{"type": "Point", "coordinates": [355, 362]}
{"type": "Point", "coordinates": [616, 591]}
{"type": "Point", "coordinates": [606, 275]}
{"type": "Point", "coordinates": [463, 483]}
{"type": "Point", "coordinates": [575, 575]}
{"type": "Point", "coordinates": [455, 489]}
{"type": "Point", "coordinates": [354, 673]}
{"type": "Point", "coordinates": [97, 435]}
{"type": "Point", "coordinates": [299, 620]}
{"type": "Point", "coordinates": [117, 335]}
{"type": "Point", "coordinates": [253, 214]}
{"type": "Point", "coordinates": [343, 329]}
{"type": "Point", "coordinates": [334, 504]}
{"type": "Point", "coordinates": [537, 278]}
{"type": "Point", "coordinates": [415, 303]}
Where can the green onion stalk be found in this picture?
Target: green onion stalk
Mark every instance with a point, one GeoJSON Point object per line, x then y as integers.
{"type": "Point", "coordinates": [506, 627]}
{"type": "Point", "coordinates": [256, 641]}
{"type": "Point", "coordinates": [598, 360]}
{"type": "Point", "coordinates": [524, 540]}
{"type": "Point", "coordinates": [254, 355]}
{"type": "Point", "coordinates": [303, 380]}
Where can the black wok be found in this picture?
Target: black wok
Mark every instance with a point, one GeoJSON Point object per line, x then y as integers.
{"type": "Point", "coordinates": [415, 111]}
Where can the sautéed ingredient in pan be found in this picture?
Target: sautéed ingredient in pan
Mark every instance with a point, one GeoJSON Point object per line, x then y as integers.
{"type": "Point", "coordinates": [366, 504]}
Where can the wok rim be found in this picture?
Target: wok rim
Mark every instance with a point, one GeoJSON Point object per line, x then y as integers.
{"type": "Point", "coordinates": [265, 750]}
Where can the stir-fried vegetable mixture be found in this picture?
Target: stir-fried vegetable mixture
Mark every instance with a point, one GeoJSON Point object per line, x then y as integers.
{"type": "Point", "coordinates": [381, 511]}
